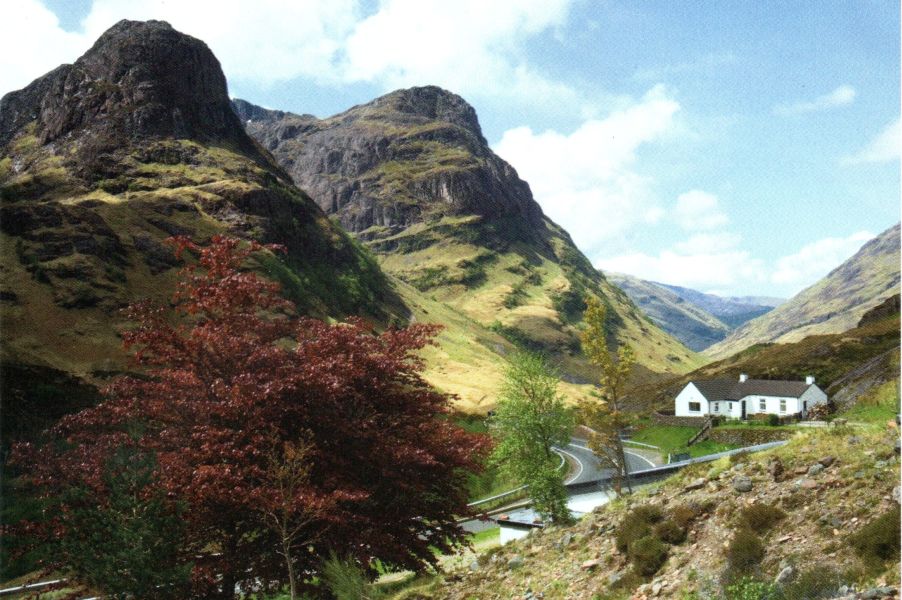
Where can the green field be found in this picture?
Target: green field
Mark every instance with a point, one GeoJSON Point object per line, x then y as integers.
{"type": "Point", "coordinates": [672, 440]}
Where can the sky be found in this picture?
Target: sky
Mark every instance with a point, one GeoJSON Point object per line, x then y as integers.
{"type": "Point", "coordinates": [735, 147]}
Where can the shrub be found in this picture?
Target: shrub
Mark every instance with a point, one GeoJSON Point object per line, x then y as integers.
{"type": "Point", "coordinates": [745, 551]}
{"type": "Point", "coordinates": [670, 532]}
{"type": "Point", "coordinates": [760, 518]}
{"type": "Point", "coordinates": [635, 525]}
{"type": "Point", "coordinates": [684, 514]}
{"type": "Point", "coordinates": [879, 539]}
{"type": "Point", "coordinates": [748, 588]}
{"type": "Point", "coordinates": [647, 555]}
{"type": "Point", "coordinates": [817, 582]}
{"type": "Point", "coordinates": [346, 581]}
{"type": "Point", "coordinates": [773, 420]}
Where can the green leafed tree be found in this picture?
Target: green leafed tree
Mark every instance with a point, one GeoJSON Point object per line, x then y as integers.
{"type": "Point", "coordinates": [530, 420]}
{"type": "Point", "coordinates": [126, 545]}
{"type": "Point", "coordinates": [605, 414]}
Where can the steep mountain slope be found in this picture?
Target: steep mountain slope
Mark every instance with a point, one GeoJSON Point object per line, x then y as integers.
{"type": "Point", "coordinates": [846, 365]}
{"type": "Point", "coordinates": [411, 175]}
{"type": "Point", "coordinates": [680, 318]}
{"type": "Point", "coordinates": [103, 159]}
{"type": "Point", "coordinates": [730, 310]}
{"type": "Point", "coordinates": [832, 305]}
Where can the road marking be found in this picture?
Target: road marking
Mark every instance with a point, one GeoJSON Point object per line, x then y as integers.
{"type": "Point", "coordinates": [640, 456]}
{"type": "Point", "coordinates": [578, 461]}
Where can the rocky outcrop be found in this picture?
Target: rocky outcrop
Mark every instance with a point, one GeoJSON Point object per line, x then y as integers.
{"type": "Point", "coordinates": [407, 156]}
{"type": "Point", "coordinates": [103, 159]}
{"type": "Point", "coordinates": [139, 80]}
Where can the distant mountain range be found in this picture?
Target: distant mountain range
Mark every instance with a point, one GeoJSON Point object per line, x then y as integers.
{"type": "Point", "coordinates": [695, 318]}
{"type": "Point", "coordinates": [832, 305]}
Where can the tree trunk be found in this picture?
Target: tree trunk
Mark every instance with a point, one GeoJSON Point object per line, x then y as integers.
{"type": "Point", "coordinates": [292, 577]}
{"type": "Point", "coordinates": [624, 469]}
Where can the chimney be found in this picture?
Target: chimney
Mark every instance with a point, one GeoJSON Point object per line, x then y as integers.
{"type": "Point", "coordinates": [809, 380]}
{"type": "Point", "coordinates": [743, 377]}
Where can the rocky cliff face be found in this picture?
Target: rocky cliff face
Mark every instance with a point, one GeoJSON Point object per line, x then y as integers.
{"type": "Point", "coordinates": [405, 157]}
{"type": "Point", "coordinates": [139, 80]}
{"type": "Point", "coordinates": [411, 175]}
{"type": "Point", "coordinates": [103, 159]}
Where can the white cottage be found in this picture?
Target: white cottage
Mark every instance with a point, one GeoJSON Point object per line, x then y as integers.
{"type": "Point", "coordinates": [739, 399]}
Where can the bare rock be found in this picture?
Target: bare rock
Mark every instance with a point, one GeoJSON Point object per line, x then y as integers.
{"type": "Point", "coordinates": [695, 485]}
{"type": "Point", "coordinates": [742, 484]}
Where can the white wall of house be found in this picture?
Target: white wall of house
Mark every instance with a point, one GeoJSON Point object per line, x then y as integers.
{"type": "Point", "coordinates": [687, 400]}
{"type": "Point", "coordinates": [812, 396]}
{"type": "Point", "coordinates": [771, 405]}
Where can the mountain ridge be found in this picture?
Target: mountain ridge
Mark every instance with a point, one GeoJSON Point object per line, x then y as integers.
{"type": "Point", "coordinates": [410, 174]}
{"type": "Point", "coordinates": [832, 305]}
{"type": "Point", "coordinates": [104, 159]}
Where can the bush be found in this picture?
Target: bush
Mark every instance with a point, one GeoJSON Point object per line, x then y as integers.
{"type": "Point", "coordinates": [670, 532]}
{"type": "Point", "coordinates": [745, 551]}
{"type": "Point", "coordinates": [817, 582]}
{"type": "Point", "coordinates": [346, 581]}
{"type": "Point", "coordinates": [648, 554]}
{"type": "Point", "coordinates": [684, 514]}
{"type": "Point", "coordinates": [773, 420]}
{"type": "Point", "coordinates": [879, 539]}
{"type": "Point", "coordinates": [635, 525]}
{"type": "Point", "coordinates": [748, 588]}
{"type": "Point", "coordinates": [760, 518]}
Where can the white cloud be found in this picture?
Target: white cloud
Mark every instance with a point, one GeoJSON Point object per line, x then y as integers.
{"type": "Point", "coordinates": [883, 148]}
{"type": "Point", "coordinates": [841, 96]}
{"type": "Point", "coordinates": [813, 261]}
{"type": "Point", "coordinates": [33, 43]}
{"type": "Point", "coordinates": [586, 180]}
{"type": "Point", "coordinates": [698, 210]}
{"type": "Point", "coordinates": [470, 47]}
{"type": "Point", "coordinates": [716, 261]}
{"type": "Point", "coordinates": [730, 268]}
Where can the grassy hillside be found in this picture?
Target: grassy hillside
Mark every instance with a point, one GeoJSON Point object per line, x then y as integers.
{"type": "Point", "coordinates": [832, 528]}
{"type": "Point", "coordinates": [684, 320]}
{"type": "Point", "coordinates": [832, 305]}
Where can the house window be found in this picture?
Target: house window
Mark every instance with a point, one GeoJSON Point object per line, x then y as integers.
{"type": "Point", "coordinates": [782, 405]}
{"type": "Point", "coordinates": [762, 404]}
{"type": "Point", "coordinates": [695, 406]}
{"type": "Point", "coordinates": [716, 407]}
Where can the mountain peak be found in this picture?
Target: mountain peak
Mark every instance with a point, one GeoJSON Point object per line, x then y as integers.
{"type": "Point", "coordinates": [430, 102]}
{"type": "Point", "coordinates": [140, 79]}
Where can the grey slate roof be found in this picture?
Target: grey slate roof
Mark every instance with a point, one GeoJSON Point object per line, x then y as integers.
{"type": "Point", "coordinates": [730, 389]}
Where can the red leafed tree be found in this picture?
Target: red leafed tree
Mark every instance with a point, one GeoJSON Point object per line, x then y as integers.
{"type": "Point", "coordinates": [231, 379]}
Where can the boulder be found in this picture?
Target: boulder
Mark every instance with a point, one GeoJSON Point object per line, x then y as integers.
{"type": "Point", "coordinates": [742, 484]}
{"type": "Point", "coordinates": [696, 484]}
{"type": "Point", "coordinates": [515, 562]}
{"type": "Point", "coordinates": [827, 461]}
{"type": "Point", "coordinates": [590, 564]}
{"type": "Point", "coordinates": [785, 576]}
{"type": "Point", "coordinates": [815, 469]}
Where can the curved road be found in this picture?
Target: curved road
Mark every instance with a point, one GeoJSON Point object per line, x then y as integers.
{"type": "Point", "coordinates": [587, 468]}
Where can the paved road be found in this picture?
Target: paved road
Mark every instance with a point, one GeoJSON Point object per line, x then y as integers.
{"type": "Point", "coordinates": [587, 464]}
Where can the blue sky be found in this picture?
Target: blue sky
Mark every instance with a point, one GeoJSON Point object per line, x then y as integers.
{"type": "Point", "coordinates": [735, 147]}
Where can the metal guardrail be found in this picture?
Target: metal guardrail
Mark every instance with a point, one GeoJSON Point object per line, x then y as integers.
{"type": "Point", "coordinates": [513, 491]}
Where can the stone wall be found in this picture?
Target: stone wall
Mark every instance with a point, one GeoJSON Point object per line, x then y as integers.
{"type": "Point", "coordinates": [748, 436]}
{"type": "Point", "coordinates": [670, 419]}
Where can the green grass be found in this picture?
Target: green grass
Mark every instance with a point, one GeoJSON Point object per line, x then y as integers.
{"type": "Point", "coordinates": [881, 405]}
{"type": "Point", "coordinates": [672, 439]}
{"type": "Point", "coordinates": [489, 536]}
